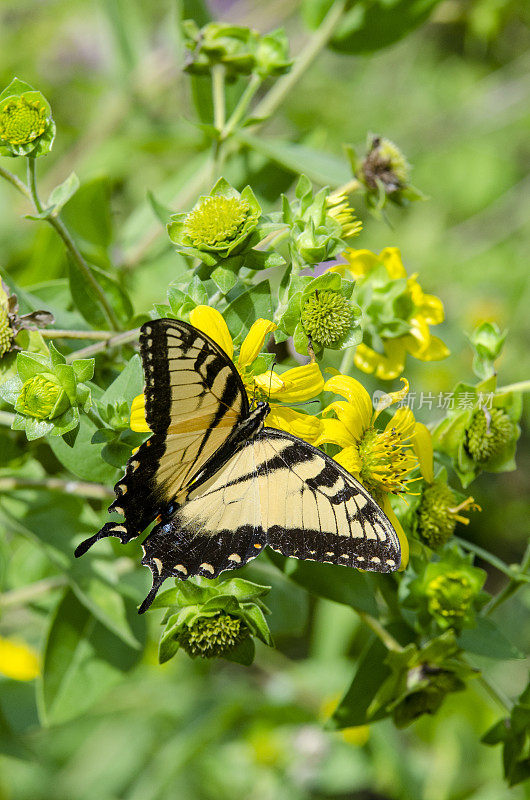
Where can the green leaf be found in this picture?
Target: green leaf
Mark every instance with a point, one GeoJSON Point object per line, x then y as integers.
{"type": "Point", "coordinates": [247, 308]}
{"type": "Point", "coordinates": [82, 661]}
{"type": "Point", "coordinates": [128, 384]}
{"type": "Point", "coordinates": [83, 459]}
{"type": "Point", "coordinates": [487, 639]}
{"type": "Point", "coordinates": [243, 653]}
{"type": "Point", "coordinates": [370, 675]}
{"type": "Point", "coordinates": [224, 279]}
{"type": "Point", "coordinates": [323, 168]}
{"type": "Point", "coordinates": [61, 194]}
{"type": "Point", "coordinates": [341, 584]}
{"type": "Point", "coordinates": [83, 369]}
{"type": "Point", "coordinates": [88, 301]}
{"type": "Point", "coordinates": [16, 87]}
{"type": "Point", "coordinates": [31, 364]}
{"type": "Point", "coordinates": [88, 213]}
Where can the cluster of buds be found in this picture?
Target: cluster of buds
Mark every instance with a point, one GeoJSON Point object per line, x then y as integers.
{"type": "Point", "coordinates": [319, 224]}
{"type": "Point", "coordinates": [26, 124]}
{"type": "Point", "coordinates": [47, 393]}
{"type": "Point", "coordinates": [320, 314]}
{"type": "Point", "coordinates": [213, 619]}
{"type": "Point", "coordinates": [421, 678]}
{"type": "Point", "coordinates": [240, 50]}
{"type": "Point", "coordinates": [11, 322]}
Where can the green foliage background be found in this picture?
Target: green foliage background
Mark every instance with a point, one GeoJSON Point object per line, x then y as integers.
{"type": "Point", "coordinates": [454, 95]}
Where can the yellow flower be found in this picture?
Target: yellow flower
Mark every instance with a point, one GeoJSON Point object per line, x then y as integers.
{"type": "Point", "coordinates": [424, 310]}
{"type": "Point", "coordinates": [17, 660]}
{"type": "Point", "coordinates": [381, 459]}
{"type": "Point", "coordinates": [337, 206]}
{"type": "Point", "coordinates": [292, 386]}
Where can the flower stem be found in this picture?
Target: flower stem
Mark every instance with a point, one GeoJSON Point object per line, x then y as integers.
{"type": "Point", "coordinates": [219, 117]}
{"type": "Point", "coordinates": [114, 341]}
{"type": "Point", "coordinates": [521, 386]}
{"type": "Point", "coordinates": [513, 585]}
{"type": "Point", "coordinates": [94, 491]}
{"type": "Point", "coordinates": [57, 333]}
{"type": "Point", "coordinates": [19, 597]}
{"type": "Point", "coordinates": [275, 97]}
{"type": "Point", "coordinates": [500, 699]}
{"type": "Point", "coordinates": [485, 555]}
{"type": "Point", "coordinates": [239, 111]}
{"type": "Point", "coordinates": [16, 182]}
{"type": "Point", "coordinates": [381, 632]}
{"type": "Point", "coordinates": [63, 232]}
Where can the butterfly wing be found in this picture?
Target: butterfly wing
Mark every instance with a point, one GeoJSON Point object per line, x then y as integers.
{"type": "Point", "coordinates": [194, 398]}
{"type": "Point", "coordinates": [280, 491]}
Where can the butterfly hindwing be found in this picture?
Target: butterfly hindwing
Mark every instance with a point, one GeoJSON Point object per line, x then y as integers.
{"type": "Point", "coordinates": [280, 491]}
{"type": "Point", "coordinates": [194, 398]}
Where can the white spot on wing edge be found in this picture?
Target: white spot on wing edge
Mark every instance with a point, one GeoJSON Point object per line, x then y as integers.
{"type": "Point", "coordinates": [235, 557]}
{"type": "Point", "coordinates": [158, 564]}
{"type": "Point", "coordinates": [207, 567]}
{"type": "Point", "coordinates": [181, 568]}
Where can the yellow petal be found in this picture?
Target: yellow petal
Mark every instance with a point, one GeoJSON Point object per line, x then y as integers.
{"type": "Point", "coordinates": [361, 262]}
{"type": "Point", "coordinates": [299, 384]}
{"type": "Point", "coordinates": [391, 258]}
{"type": "Point", "coordinates": [269, 382]}
{"type": "Point", "coordinates": [386, 367]}
{"type": "Point", "coordinates": [419, 338]}
{"type": "Point", "coordinates": [333, 431]}
{"type": "Point", "coordinates": [403, 422]}
{"type": "Point", "coordinates": [432, 309]}
{"type": "Point", "coordinates": [435, 351]}
{"type": "Point", "coordinates": [396, 524]}
{"type": "Point", "coordinates": [304, 426]}
{"type": "Point", "coordinates": [422, 443]}
{"type": "Point", "coordinates": [390, 398]}
{"type": "Point", "coordinates": [211, 322]}
{"type": "Point", "coordinates": [350, 459]}
{"type": "Point", "coordinates": [253, 341]}
{"type": "Point", "coordinates": [17, 660]}
{"type": "Point", "coordinates": [138, 421]}
{"type": "Point", "coordinates": [360, 404]}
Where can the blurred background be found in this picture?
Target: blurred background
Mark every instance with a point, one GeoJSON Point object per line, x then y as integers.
{"type": "Point", "coordinates": [454, 95]}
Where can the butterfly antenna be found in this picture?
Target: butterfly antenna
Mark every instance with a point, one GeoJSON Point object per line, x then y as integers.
{"type": "Point", "coordinates": [270, 380]}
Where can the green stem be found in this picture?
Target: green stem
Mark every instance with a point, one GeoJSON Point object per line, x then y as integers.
{"type": "Point", "coordinates": [6, 418]}
{"type": "Point", "coordinates": [381, 632]}
{"type": "Point", "coordinates": [16, 182]}
{"type": "Point", "coordinates": [239, 111]}
{"type": "Point", "coordinates": [58, 333]}
{"type": "Point", "coordinates": [114, 341]}
{"type": "Point", "coordinates": [347, 361]}
{"type": "Point", "coordinates": [521, 386]}
{"type": "Point", "coordinates": [498, 697]}
{"type": "Point", "coordinates": [485, 555]}
{"type": "Point", "coordinates": [513, 585]}
{"type": "Point", "coordinates": [19, 597]}
{"type": "Point", "coordinates": [95, 418]}
{"type": "Point", "coordinates": [94, 491]}
{"type": "Point", "coordinates": [275, 97]}
{"type": "Point", "coordinates": [63, 232]}
{"type": "Point", "coordinates": [219, 117]}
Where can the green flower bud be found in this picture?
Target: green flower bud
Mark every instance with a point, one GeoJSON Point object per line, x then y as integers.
{"type": "Point", "coordinates": [435, 684]}
{"type": "Point", "coordinates": [488, 433]}
{"type": "Point", "coordinates": [212, 636]}
{"type": "Point", "coordinates": [438, 513]}
{"type": "Point", "coordinates": [22, 120]}
{"type": "Point", "coordinates": [450, 596]}
{"type": "Point", "coordinates": [385, 165]}
{"type": "Point", "coordinates": [216, 221]}
{"type": "Point", "coordinates": [6, 332]}
{"type": "Point", "coordinates": [272, 54]}
{"type": "Point", "coordinates": [326, 317]}
{"type": "Point", "coordinates": [42, 397]}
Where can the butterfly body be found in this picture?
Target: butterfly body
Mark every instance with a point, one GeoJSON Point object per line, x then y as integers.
{"type": "Point", "coordinates": [221, 486]}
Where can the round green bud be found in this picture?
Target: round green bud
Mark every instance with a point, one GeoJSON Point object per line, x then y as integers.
{"type": "Point", "coordinates": [385, 163]}
{"type": "Point", "coordinates": [436, 522]}
{"type": "Point", "coordinates": [42, 397]}
{"type": "Point", "coordinates": [488, 433]}
{"type": "Point", "coordinates": [209, 637]}
{"type": "Point", "coordinates": [326, 317]}
{"type": "Point", "coordinates": [216, 220]}
{"type": "Point", "coordinates": [450, 596]}
{"type": "Point", "coordinates": [22, 121]}
{"type": "Point", "coordinates": [6, 332]}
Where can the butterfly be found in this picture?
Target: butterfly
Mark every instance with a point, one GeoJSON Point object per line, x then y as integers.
{"type": "Point", "coordinates": [221, 486]}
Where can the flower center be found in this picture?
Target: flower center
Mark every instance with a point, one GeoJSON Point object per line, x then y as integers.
{"type": "Point", "coordinates": [450, 595]}
{"type": "Point", "coordinates": [387, 460]}
{"type": "Point", "coordinates": [42, 397]}
{"type": "Point", "coordinates": [436, 524]}
{"type": "Point", "coordinates": [216, 220]}
{"type": "Point", "coordinates": [6, 332]}
{"type": "Point", "coordinates": [21, 121]}
{"type": "Point", "coordinates": [326, 317]}
{"type": "Point", "coordinates": [212, 636]}
{"type": "Point", "coordinates": [489, 432]}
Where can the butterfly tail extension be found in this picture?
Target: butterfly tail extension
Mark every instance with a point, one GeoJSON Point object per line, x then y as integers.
{"type": "Point", "coordinates": [109, 529]}
{"type": "Point", "coordinates": [158, 580]}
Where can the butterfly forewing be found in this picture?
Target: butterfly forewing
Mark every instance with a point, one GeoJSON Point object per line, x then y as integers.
{"type": "Point", "coordinates": [194, 399]}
